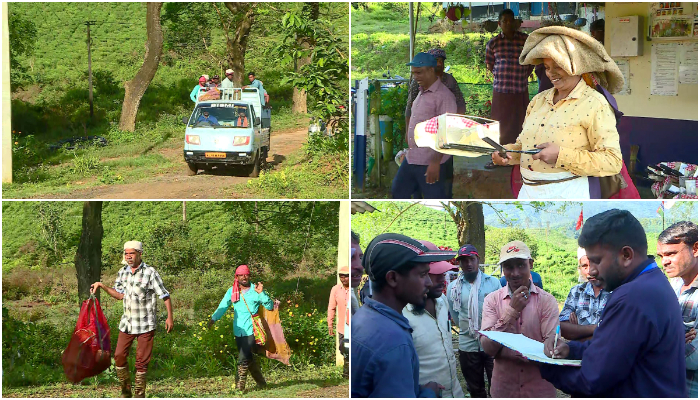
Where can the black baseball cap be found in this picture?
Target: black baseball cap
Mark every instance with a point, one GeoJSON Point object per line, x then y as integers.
{"type": "Point", "coordinates": [467, 250]}
{"type": "Point", "coordinates": [390, 251]}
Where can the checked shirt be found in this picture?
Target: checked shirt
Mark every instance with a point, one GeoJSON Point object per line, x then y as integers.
{"type": "Point", "coordinates": [582, 300]}
{"type": "Point", "coordinates": [508, 75]}
{"type": "Point", "coordinates": [140, 290]}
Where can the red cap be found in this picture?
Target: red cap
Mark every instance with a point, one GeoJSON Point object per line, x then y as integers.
{"type": "Point", "coordinates": [242, 270]}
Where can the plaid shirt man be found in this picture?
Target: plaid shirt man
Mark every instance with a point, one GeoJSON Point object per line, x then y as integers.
{"type": "Point", "coordinates": [140, 289]}
{"type": "Point", "coordinates": [508, 75]}
{"type": "Point", "coordinates": [688, 301]}
{"type": "Point", "coordinates": [582, 301]}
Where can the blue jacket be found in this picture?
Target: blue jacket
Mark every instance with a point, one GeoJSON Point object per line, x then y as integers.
{"type": "Point", "coordinates": [384, 362]}
{"type": "Point", "coordinates": [638, 350]}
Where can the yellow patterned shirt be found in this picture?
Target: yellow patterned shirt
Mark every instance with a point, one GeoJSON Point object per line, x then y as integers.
{"type": "Point", "coordinates": [582, 124]}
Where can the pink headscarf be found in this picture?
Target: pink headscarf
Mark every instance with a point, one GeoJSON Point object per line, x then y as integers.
{"type": "Point", "coordinates": [236, 292]}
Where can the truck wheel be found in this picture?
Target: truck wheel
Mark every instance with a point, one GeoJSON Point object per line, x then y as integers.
{"type": "Point", "coordinates": [192, 169]}
{"type": "Point", "coordinates": [255, 171]}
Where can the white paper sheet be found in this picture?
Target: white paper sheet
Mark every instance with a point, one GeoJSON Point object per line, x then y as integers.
{"type": "Point", "coordinates": [624, 66]}
{"type": "Point", "coordinates": [688, 70]}
{"type": "Point", "coordinates": [530, 349]}
{"type": "Point", "coordinates": [664, 69]}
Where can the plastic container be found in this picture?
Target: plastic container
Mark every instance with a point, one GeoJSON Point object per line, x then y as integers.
{"type": "Point", "coordinates": [447, 129]}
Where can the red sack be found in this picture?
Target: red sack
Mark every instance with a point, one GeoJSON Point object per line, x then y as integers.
{"type": "Point", "coordinates": [89, 350]}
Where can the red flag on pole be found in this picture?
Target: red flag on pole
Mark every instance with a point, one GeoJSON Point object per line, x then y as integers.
{"type": "Point", "coordinates": [579, 223]}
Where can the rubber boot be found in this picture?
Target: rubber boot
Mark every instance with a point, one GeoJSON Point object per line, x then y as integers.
{"type": "Point", "coordinates": [242, 374]}
{"type": "Point", "coordinates": [256, 373]}
{"type": "Point", "coordinates": [124, 380]}
{"type": "Point", "coordinates": [140, 385]}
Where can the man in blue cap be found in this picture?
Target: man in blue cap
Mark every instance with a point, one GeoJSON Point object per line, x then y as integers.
{"type": "Point", "coordinates": [465, 296]}
{"type": "Point", "coordinates": [423, 171]}
{"type": "Point", "coordinates": [384, 362]}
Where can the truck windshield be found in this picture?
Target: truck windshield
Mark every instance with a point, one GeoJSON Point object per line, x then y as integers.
{"type": "Point", "coordinates": [214, 115]}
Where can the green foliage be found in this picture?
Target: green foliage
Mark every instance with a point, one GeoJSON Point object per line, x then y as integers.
{"type": "Point", "coordinates": [320, 144]}
{"type": "Point", "coordinates": [23, 34]}
{"type": "Point", "coordinates": [290, 246]}
{"type": "Point", "coordinates": [84, 164]}
{"type": "Point", "coordinates": [322, 77]}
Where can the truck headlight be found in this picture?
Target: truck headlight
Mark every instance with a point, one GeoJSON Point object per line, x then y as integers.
{"type": "Point", "coordinates": [241, 140]}
{"type": "Point", "coordinates": [192, 139]}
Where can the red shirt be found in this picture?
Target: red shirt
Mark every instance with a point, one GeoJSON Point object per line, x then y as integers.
{"type": "Point", "coordinates": [513, 377]}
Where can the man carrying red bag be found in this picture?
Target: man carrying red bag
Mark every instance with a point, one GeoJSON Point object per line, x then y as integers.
{"type": "Point", "coordinates": [137, 285]}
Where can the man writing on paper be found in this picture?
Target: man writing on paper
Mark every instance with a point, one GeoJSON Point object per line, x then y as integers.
{"type": "Point", "coordinates": [584, 306]}
{"type": "Point", "coordinates": [466, 297]}
{"type": "Point", "coordinates": [638, 349]}
{"type": "Point", "coordinates": [678, 248]}
{"type": "Point", "coordinates": [519, 307]}
{"type": "Point", "coordinates": [431, 332]}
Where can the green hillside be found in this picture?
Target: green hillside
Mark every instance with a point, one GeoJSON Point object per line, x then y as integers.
{"type": "Point", "coordinates": [553, 248]}
{"type": "Point", "coordinates": [290, 246]}
{"type": "Point", "coordinates": [50, 91]}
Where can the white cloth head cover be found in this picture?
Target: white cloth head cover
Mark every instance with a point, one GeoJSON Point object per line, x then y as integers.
{"type": "Point", "coordinates": [132, 244]}
{"type": "Point", "coordinates": [581, 253]}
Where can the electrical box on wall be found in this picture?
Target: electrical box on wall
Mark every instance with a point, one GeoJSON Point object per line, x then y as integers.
{"type": "Point", "coordinates": [627, 35]}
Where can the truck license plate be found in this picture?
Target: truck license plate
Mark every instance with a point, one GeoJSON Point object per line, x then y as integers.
{"type": "Point", "coordinates": [215, 155]}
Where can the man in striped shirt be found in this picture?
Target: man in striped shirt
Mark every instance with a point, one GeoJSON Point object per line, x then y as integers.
{"type": "Point", "coordinates": [510, 92]}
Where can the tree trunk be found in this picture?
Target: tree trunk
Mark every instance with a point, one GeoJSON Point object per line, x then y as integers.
{"type": "Point", "coordinates": [237, 43]}
{"type": "Point", "coordinates": [88, 258]}
{"type": "Point", "coordinates": [135, 88]}
{"type": "Point", "coordinates": [311, 11]}
{"type": "Point", "coordinates": [469, 218]}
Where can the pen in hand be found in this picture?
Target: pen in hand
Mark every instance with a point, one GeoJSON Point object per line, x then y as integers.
{"type": "Point", "coordinates": [556, 336]}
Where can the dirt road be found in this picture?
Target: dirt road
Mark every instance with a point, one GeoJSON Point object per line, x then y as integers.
{"type": "Point", "coordinates": [177, 185]}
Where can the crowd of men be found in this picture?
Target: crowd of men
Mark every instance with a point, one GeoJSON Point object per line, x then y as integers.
{"type": "Point", "coordinates": [205, 83]}
{"type": "Point", "coordinates": [632, 327]}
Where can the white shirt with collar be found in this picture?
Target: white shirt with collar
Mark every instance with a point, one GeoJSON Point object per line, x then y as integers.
{"type": "Point", "coordinates": [433, 342]}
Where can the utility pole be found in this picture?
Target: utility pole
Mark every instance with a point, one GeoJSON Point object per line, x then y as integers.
{"type": "Point", "coordinates": [88, 24]}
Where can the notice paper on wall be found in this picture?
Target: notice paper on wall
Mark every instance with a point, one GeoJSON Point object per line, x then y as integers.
{"type": "Point", "coordinates": [688, 70]}
{"type": "Point", "coordinates": [664, 69]}
{"type": "Point", "coordinates": [529, 348]}
{"type": "Point", "coordinates": [624, 66]}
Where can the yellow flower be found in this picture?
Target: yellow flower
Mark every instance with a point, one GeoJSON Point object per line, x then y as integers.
{"type": "Point", "coordinates": [314, 351]}
{"type": "Point", "coordinates": [204, 328]}
{"type": "Point", "coordinates": [195, 335]}
{"type": "Point", "coordinates": [200, 338]}
{"type": "Point", "coordinates": [311, 342]}
{"type": "Point", "coordinates": [221, 351]}
{"type": "Point", "coordinates": [216, 328]}
{"type": "Point", "coordinates": [297, 340]}
{"type": "Point", "coordinates": [200, 324]}
{"type": "Point", "coordinates": [222, 336]}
